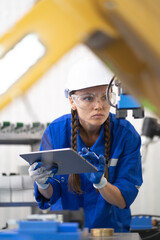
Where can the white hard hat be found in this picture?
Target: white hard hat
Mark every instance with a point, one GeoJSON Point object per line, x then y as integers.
{"type": "Point", "coordinates": [88, 72]}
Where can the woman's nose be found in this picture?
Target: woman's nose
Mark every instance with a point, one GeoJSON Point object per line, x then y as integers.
{"type": "Point", "coordinates": [98, 104]}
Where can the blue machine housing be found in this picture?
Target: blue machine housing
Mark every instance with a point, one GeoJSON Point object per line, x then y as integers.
{"type": "Point", "coordinates": [43, 230]}
{"type": "Point", "coordinates": [127, 102]}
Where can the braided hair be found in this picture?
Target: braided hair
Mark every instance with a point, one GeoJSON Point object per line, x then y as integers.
{"type": "Point", "coordinates": [74, 182]}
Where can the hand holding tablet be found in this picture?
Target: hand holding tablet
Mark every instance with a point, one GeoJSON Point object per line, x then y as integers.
{"type": "Point", "coordinates": [67, 160]}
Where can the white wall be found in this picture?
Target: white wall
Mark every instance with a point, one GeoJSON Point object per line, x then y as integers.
{"type": "Point", "coordinates": [147, 201]}
{"type": "Point", "coordinates": [45, 101]}
{"type": "Point", "coordinates": [10, 12]}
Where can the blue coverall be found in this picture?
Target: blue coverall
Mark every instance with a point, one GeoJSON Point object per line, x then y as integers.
{"type": "Point", "coordinates": [125, 173]}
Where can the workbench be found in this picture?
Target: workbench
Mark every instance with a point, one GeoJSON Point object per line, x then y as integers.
{"type": "Point", "coordinates": [118, 236]}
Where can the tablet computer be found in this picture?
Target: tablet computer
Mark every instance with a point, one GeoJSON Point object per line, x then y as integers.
{"type": "Point", "coordinates": [67, 160]}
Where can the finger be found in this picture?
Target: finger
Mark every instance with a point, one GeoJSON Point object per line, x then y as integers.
{"type": "Point", "coordinates": [92, 155]}
{"type": "Point", "coordinates": [89, 157]}
{"type": "Point", "coordinates": [84, 150]}
{"type": "Point", "coordinates": [80, 153]}
{"type": "Point", "coordinates": [39, 165]}
{"type": "Point", "coordinates": [41, 177]}
{"type": "Point", "coordinates": [43, 180]}
{"type": "Point", "coordinates": [102, 161]}
{"type": "Point", "coordinates": [54, 170]}
{"type": "Point", "coordinates": [93, 158]}
{"type": "Point", "coordinates": [40, 172]}
{"type": "Point", "coordinates": [33, 166]}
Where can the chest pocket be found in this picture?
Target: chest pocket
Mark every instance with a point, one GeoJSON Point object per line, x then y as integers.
{"type": "Point", "coordinates": [112, 169]}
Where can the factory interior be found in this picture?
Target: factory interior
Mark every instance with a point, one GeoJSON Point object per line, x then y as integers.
{"type": "Point", "coordinates": [125, 36]}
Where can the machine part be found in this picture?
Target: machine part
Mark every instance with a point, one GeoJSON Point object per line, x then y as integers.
{"type": "Point", "coordinates": [71, 216]}
{"type": "Point", "coordinates": [150, 134]}
{"type": "Point", "coordinates": [46, 217]}
{"type": "Point", "coordinates": [126, 101]}
{"type": "Point", "coordinates": [20, 133]}
{"type": "Point", "coordinates": [141, 222]}
{"type": "Point", "coordinates": [102, 232]}
{"type": "Point", "coordinates": [122, 113]}
{"type": "Point", "coordinates": [138, 113]}
{"type": "Point", "coordinates": [150, 127]}
{"type": "Point", "coordinates": [108, 91]}
{"type": "Point", "coordinates": [148, 226]}
{"type": "Point", "coordinates": [38, 229]}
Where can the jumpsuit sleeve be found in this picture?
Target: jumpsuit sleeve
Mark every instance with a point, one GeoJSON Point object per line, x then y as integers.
{"type": "Point", "coordinates": [43, 203]}
{"type": "Point", "coordinates": [129, 169]}
{"type": "Point", "coordinates": [46, 141]}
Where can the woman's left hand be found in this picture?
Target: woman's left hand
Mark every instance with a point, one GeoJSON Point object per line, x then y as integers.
{"type": "Point", "coordinates": [98, 162]}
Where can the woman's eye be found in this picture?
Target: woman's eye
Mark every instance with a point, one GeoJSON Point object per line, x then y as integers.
{"type": "Point", "coordinates": [104, 98]}
{"type": "Point", "coordinates": [88, 98]}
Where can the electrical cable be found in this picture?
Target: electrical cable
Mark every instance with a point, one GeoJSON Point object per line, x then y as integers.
{"type": "Point", "coordinates": [107, 93]}
{"type": "Point", "coordinates": [149, 215]}
{"type": "Point", "coordinates": [151, 236]}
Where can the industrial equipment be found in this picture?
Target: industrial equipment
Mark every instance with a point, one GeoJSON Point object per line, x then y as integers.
{"type": "Point", "coordinates": [150, 134]}
{"type": "Point", "coordinates": [125, 102]}
{"type": "Point", "coordinates": [18, 189]}
{"type": "Point", "coordinates": [124, 34]}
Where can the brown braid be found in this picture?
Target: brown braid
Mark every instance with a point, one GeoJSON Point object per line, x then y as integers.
{"type": "Point", "coordinates": [74, 129]}
{"type": "Point", "coordinates": [107, 144]}
{"type": "Point", "coordinates": [74, 181]}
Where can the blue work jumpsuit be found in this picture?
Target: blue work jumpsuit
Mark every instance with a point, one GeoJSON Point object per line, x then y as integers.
{"type": "Point", "coordinates": [125, 173]}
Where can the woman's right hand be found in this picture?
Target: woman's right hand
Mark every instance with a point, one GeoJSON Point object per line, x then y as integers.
{"type": "Point", "coordinates": [97, 161]}
{"type": "Point", "coordinates": [41, 175]}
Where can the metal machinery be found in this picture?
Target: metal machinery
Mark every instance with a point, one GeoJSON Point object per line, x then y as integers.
{"type": "Point", "coordinates": [124, 34]}
{"type": "Point", "coordinates": [150, 134]}
{"type": "Point", "coordinates": [49, 229]}
{"type": "Point", "coordinates": [17, 189]}
{"type": "Point", "coordinates": [125, 102]}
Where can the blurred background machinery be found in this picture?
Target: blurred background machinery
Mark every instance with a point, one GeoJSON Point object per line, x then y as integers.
{"type": "Point", "coordinates": [17, 189]}
{"type": "Point", "coordinates": [150, 135]}
{"type": "Point", "coordinates": [124, 34]}
{"type": "Point", "coordinates": [122, 101]}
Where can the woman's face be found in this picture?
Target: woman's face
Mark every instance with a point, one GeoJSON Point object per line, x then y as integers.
{"type": "Point", "coordinates": [91, 105]}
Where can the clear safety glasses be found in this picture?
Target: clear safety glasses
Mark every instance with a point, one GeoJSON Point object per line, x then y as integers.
{"type": "Point", "coordinates": [89, 100]}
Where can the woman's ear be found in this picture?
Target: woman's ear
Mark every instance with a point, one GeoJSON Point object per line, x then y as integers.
{"type": "Point", "coordinates": [73, 105]}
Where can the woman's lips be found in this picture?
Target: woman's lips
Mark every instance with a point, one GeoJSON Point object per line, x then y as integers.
{"type": "Point", "coordinates": [98, 115]}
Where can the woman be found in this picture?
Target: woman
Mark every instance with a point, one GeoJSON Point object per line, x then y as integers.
{"type": "Point", "coordinates": [112, 145]}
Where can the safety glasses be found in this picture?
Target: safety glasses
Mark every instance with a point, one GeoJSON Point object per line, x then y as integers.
{"type": "Point", "coordinates": [89, 100]}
